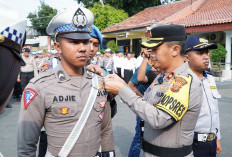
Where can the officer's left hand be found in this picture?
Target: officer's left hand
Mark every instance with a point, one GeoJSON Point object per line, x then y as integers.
{"type": "Point", "coordinates": [219, 147]}
{"type": "Point", "coordinates": [95, 68]}
{"type": "Point", "coordinates": [113, 83]}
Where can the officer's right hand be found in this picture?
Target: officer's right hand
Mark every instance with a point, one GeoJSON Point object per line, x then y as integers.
{"type": "Point", "coordinates": [113, 83]}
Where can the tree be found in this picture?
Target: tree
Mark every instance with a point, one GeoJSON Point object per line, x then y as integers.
{"type": "Point", "coordinates": [112, 45]}
{"type": "Point", "coordinates": [218, 55]}
{"type": "Point", "coordinates": [107, 16]}
{"type": "Point", "coordinates": [41, 19]}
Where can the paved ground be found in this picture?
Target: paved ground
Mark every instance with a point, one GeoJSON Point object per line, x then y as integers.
{"type": "Point", "coordinates": [123, 124]}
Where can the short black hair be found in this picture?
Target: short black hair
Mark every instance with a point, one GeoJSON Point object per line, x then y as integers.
{"type": "Point", "coordinates": [180, 43]}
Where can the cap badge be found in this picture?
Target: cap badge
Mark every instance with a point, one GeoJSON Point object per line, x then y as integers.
{"type": "Point", "coordinates": [64, 110]}
{"type": "Point", "coordinates": [202, 40]}
{"type": "Point", "coordinates": [2, 38]}
{"type": "Point", "coordinates": [79, 19]}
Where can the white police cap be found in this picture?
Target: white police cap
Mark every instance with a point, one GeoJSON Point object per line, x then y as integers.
{"type": "Point", "coordinates": [12, 26]}
{"type": "Point", "coordinates": [12, 30]}
{"type": "Point", "coordinates": [72, 23]}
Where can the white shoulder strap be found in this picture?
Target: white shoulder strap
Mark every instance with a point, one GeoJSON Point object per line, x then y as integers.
{"type": "Point", "coordinates": [71, 140]}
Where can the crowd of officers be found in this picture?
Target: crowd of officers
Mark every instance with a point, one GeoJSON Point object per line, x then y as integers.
{"type": "Point", "coordinates": [35, 63]}
{"type": "Point", "coordinates": [72, 95]}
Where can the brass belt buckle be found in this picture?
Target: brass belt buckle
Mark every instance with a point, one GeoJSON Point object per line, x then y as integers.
{"type": "Point", "coordinates": [210, 137]}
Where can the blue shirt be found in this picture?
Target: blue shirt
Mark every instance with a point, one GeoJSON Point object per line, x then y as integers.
{"type": "Point", "coordinates": [141, 87]}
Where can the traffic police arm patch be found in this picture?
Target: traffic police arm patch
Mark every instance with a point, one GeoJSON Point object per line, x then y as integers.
{"type": "Point", "coordinates": [28, 95]}
{"type": "Point", "coordinates": [175, 101]}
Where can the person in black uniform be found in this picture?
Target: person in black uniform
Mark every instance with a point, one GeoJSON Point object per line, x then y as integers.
{"type": "Point", "coordinates": [12, 38]}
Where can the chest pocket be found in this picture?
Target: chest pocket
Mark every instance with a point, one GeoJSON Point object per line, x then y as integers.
{"type": "Point", "coordinates": [67, 109]}
{"type": "Point", "coordinates": [215, 94]}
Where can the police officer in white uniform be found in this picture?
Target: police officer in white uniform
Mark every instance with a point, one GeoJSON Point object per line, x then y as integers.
{"type": "Point", "coordinates": [207, 132]}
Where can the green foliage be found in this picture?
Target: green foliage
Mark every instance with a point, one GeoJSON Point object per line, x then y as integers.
{"type": "Point", "coordinates": [218, 55]}
{"type": "Point", "coordinates": [112, 45]}
{"type": "Point", "coordinates": [133, 6]}
{"type": "Point", "coordinates": [107, 16]}
{"type": "Point", "coordinates": [41, 19]}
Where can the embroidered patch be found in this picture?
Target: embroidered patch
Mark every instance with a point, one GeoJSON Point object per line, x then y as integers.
{"type": "Point", "coordinates": [178, 83]}
{"type": "Point", "coordinates": [64, 110]}
{"type": "Point", "coordinates": [28, 95]}
{"type": "Point", "coordinates": [45, 67]}
{"type": "Point", "coordinates": [101, 103]}
{"type": "Point", "coordinates": [100, 115]}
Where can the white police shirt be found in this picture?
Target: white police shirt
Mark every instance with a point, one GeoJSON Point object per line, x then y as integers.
{"type": "Point", "coordinates": [208, 121]}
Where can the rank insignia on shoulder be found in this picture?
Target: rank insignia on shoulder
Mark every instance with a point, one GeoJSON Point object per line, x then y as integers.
{"type": "Point", "coordinates": [163, 87]}
{"type": "Point", "coordinates": [170, 75]}
{"type": "Point", "coordinates": [100, 115]}
{"type": "Point", "coordinates": [64, 110]}
{"type": "Point", "coordinates": [153, 83]}
{"type": "Point", "coordinates": [28, 95]}
{"type": "Point", "coordinates": [101, 103]}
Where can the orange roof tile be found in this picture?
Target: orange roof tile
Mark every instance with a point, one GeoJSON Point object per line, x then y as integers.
{"type": "Point", "coordinates": [212, 12]}
{"type": "Point", "coordinates": [148, 16]}
{"type": "Point", "coordinates": [201, 12]}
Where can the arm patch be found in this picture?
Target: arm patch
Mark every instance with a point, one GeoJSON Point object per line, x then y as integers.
{"type": "Point", "coordinates": [175, 101]}
{"type": "Point", "coordinates": [28, 95]}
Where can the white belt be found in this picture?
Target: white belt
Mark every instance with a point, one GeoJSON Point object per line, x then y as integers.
{"type": "Point", "coordinates": [206, 137]}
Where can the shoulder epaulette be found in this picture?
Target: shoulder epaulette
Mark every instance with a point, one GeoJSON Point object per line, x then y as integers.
{"type": "Point", "coordinates": [42, 76]}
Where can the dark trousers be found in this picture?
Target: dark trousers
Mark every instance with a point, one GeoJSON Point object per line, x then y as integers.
{"type": "Point", "coordinates": [204, 149]}
{"type": "Point", "coordinates": [43, 144]}
{"type": "Point", "coordinates": [17, 90]}
{"type": "Point", "coordinates": [119, 72]}
{"type": "Point", "coordinates": [127, 75]}
{"type": "Point", "coordinates": [25, 78]}
{"type": "Point", "coordinates": [135, 147]}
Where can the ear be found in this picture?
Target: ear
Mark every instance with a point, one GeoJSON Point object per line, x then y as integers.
{"type": "Point", "coordinates": [176, 50]}
{"type": "Point", "coordinates": [57, 46]}
{"type": "Point", "coordinates": [186, 57]}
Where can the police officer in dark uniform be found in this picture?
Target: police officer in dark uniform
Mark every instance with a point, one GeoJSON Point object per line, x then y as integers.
{"type": "Point", "coordinates": [12, 38]}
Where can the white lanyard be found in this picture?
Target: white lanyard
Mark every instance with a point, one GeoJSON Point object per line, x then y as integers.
{"type": "Point", "coordinates": [71, 140]}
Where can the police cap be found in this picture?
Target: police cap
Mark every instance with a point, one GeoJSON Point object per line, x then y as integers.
{"type": "Point", "coordinates": [72, 23]}
{"type": "Point", "coordinates": [198, 43]}
{"type": "Point", "coordinates": [95, 32]}
{"type": "Point", "coordinates": [12, 31]}
{"type": "Point", "coordinates": [166, 33]}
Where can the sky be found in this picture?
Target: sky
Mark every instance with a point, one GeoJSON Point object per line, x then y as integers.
{"type": "Point", "coordinates": [24, 7]}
